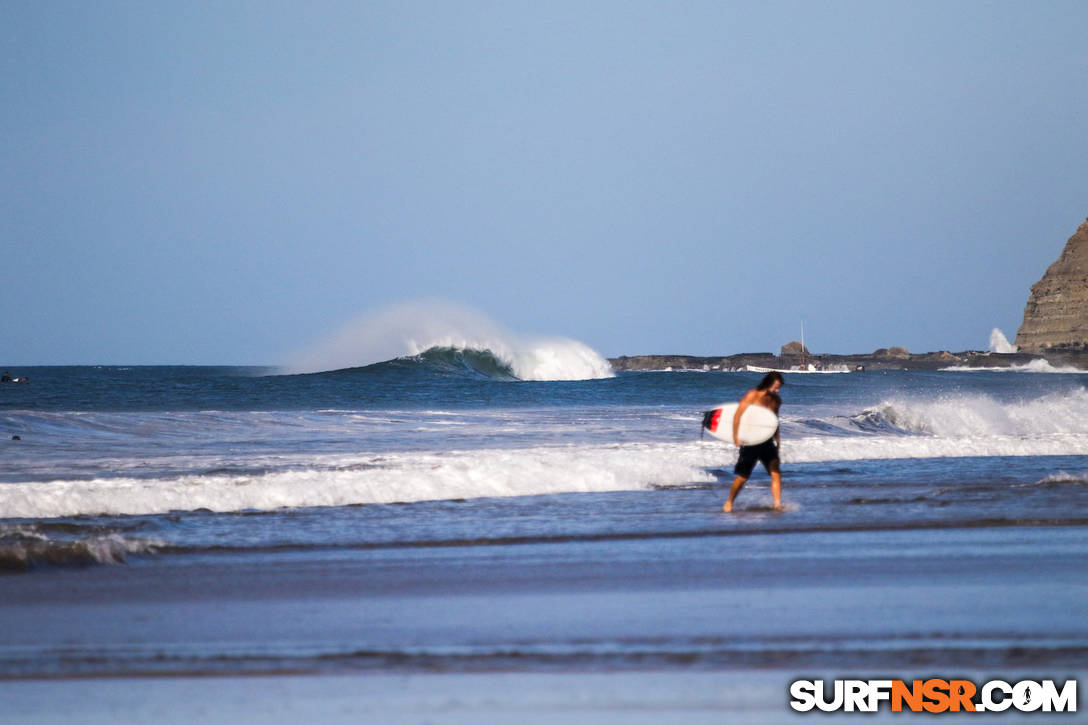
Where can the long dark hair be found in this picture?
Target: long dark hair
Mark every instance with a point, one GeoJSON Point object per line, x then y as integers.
{"type": "Point", "coordinates": [769, 379]}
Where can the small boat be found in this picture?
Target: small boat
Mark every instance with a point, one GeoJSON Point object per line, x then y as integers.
{"type": "Point", "coordinates": [804, 367]}
{"type": "Point", "coordinates": [809, 368]}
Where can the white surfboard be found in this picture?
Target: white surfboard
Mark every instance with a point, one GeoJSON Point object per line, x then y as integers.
{"type": "Point", "coordinates": [758, 424]}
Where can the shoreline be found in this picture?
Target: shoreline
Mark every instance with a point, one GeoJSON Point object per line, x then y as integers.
{"type": "Point", "coordinates": [871, 361]}
{"type": "Point", "coordinates": [706, 631]}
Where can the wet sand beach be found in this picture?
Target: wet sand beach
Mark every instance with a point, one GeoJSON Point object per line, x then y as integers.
{"type": "Point", "coordinates": [691, 627]}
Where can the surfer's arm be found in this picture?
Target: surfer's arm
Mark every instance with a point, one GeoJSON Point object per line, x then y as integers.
{"type": "Point", "coordinates": [741, 407]}
{"type": "Point", "coordinates": [777, 431]}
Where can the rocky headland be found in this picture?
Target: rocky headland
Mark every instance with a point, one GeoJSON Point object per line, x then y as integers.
{"type": "Point", "coordinates": [1056, 315]}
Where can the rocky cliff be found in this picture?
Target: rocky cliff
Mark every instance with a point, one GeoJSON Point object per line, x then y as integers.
{"type": "Point", "coordinates": [1056, 316]}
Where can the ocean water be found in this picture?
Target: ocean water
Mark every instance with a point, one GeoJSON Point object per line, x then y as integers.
{"type": "Point", "coordinates": [438, 513]}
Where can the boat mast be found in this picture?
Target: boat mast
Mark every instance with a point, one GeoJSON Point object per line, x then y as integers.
{"type": "Point", "coordinates": [802, 344]}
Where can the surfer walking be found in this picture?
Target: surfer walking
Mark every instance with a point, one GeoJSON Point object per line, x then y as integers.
{"type": "Point", "coordinates": [766, 395]}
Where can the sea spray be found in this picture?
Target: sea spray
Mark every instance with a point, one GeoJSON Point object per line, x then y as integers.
{"type": "Point", "coordinates": [416, 328]}
{"type": "Point", "coordinates": [999, 343]}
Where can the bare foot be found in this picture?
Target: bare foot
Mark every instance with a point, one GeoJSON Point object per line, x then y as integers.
{"type": "Point", "coordinates": [728, 508]}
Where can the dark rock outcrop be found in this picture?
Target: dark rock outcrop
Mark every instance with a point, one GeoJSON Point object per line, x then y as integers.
{"type": "Point", "coordinates": [874, 362]}
{"type": "Point", "coordinates": [894, 353]}
{"type": "Point", "coordinates": [1056, 315]}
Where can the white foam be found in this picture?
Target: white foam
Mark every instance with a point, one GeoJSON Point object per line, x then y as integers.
{"type": "Point", "coordinates": [415, 327]}
{"type": "Point", "coordinates": [1038, 365]}
{"type": "Point", "coordinates": [1064, 477]}
{"type": "Point", "coordinates": [402, 477]}
{"type": "Point", "coordinates": [817, 449]}
{"type": "Point", "coordinates": [949, 426]}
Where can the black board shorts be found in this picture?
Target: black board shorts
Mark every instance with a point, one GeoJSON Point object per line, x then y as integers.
{"type": "Point", "coordinates": [765, 453]}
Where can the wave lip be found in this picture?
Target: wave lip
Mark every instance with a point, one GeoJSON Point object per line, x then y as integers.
{"type": "Point", "coordinates": [460, 361]}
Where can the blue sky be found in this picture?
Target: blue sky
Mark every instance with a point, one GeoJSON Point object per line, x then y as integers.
{"type": "Point", "coordinates": [227, 182]}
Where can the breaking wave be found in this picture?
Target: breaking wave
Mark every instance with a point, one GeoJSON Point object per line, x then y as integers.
{"type": "Point", "coordinates": [950, 426]}
{"type": "Point", "coordinates": [1063, 478]}
{"type": "Point", "coordinates": [459, 361]}
{"type": "Point", "coordinates": [30, 546]}
{"type": "Point", "coordinates": [394, 478]}
{"type": "Point", "coordinates": [451, 336]}
{"type": "Point", "coordinates": [960, 416]}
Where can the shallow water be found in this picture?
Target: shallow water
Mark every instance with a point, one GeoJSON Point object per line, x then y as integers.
{"type": "Point", "coordinates": [415, 517]}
